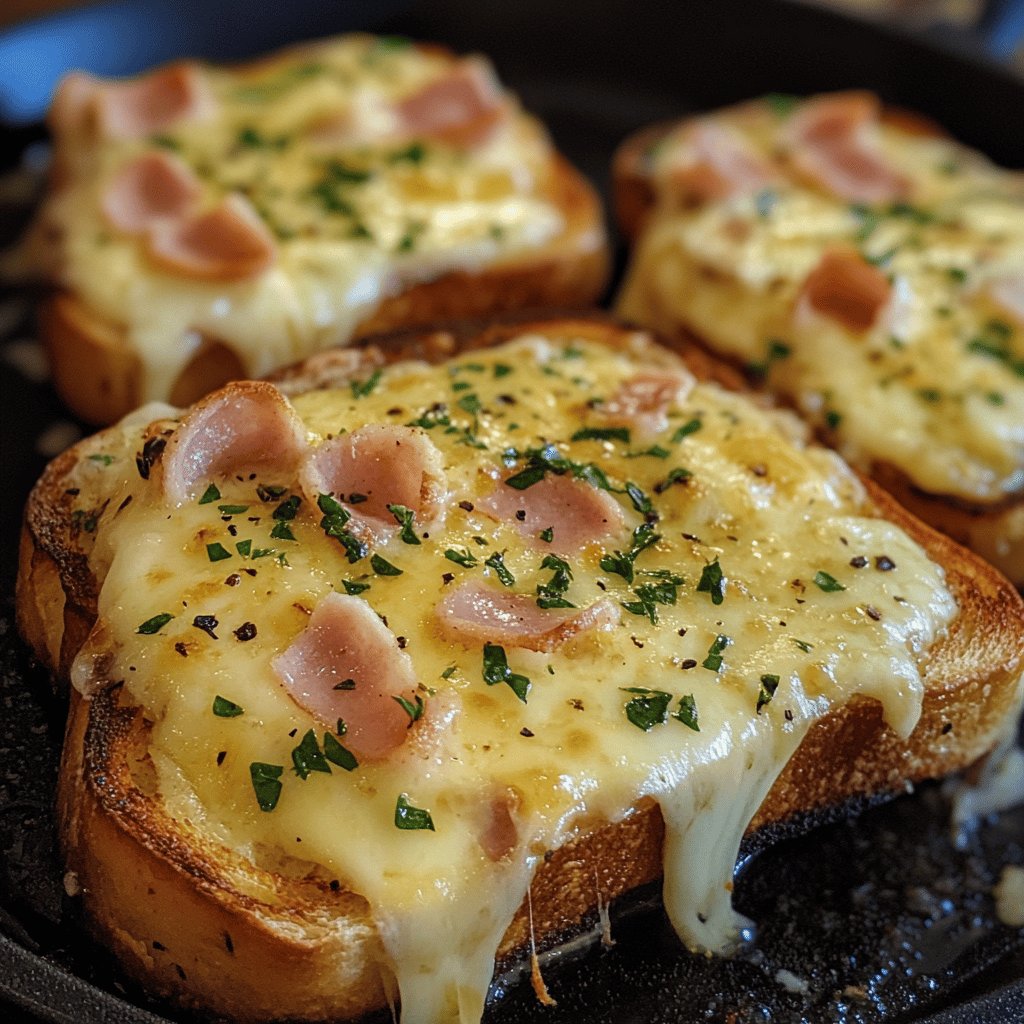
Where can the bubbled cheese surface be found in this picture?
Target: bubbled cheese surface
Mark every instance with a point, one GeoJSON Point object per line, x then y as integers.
{"type": "Point", "coordinates": [818, 601]}
{"type": "Point", "coordinates": [936, 388]}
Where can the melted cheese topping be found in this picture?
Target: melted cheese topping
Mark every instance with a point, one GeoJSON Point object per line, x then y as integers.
{"type": "Point", "coordinates": [355, 222]}
{"type": "Point", "coordinates": [935, 388]}
{"type": "Point", "coordinates": [819, 602]}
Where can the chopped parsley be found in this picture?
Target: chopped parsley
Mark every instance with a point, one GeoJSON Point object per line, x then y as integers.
{"type": "Point", "coordinates": [687, 712]}
{"type": "Point", "coordinates": [282, 531]}
{"type": "Point", "coordinates": [333, 523]}
{"type": "Point", "coordinates": [103, 460]}
{"type": "Point", "coordinates": [649, 595]}
{"type": "Point", "coordinates": [686, 429]}
{"type": "Point", "coordinates": [232, 510]}
{"type": "Point", "coordinates": [362, 388]}
{"type": "Point", "coordinates": [409, 818]}
{"type": "Point", "coordinates": [769, 684]}
{"type": "Point", "coordinates": [352, 587]}
{"type": "Point", "coordinates": [266, 782]}
{"type": "Point", "coordinates": [382, 567]}
{"type": "Point", "coordinates": [648, 709]}
{"type": "Point", "coordinates": [496, 562]}
{"type": "Point", "coordinates": [802, 644]}
{"type": "Point", "coordinates": [496, 670]}
{"type": "Point", "coordinates": [155, 624]}
{"type": "Point", "coordinates": [413, 708]}
{"type": "Point", "coordinates": [465, 558]}
{"type": "Point", "coordinates": [552, 593]}
{"type": "Point", "coordinates": [827, 582]}
{"type": "Point", "coordinates": [307, 757]}
{"type": "Point", "coordinates": [712, 582]}
{"type": "Point", "coordinates": [337, 754]}
{"type": "Point", "coordinates": [244, 547]}
{"type": "Point", "coordinates": [622, 563]}
{"type": "Point", "coordinates": [404, 517]}
{"type": "Point", "coordinates": [713, 662]}
{"type": "Point", "coordinates": [288, 508]}
{"type": "Point", "coordinates": [224, 708]}
{"type": "Point", "coordinates": [775, 352]}
{"type": "Point", "coordinates": [602, 434]}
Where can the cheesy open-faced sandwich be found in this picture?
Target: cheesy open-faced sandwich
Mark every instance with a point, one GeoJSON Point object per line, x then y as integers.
{"type": "Point", "coordinates": [865, 267]}
{"type": "Point", "coordinates": [437, 645]}
{"type": "Point", "coordinates": [208, 223]}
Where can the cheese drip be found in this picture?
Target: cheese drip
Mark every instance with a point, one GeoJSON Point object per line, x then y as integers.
{"type": "Point", "coordinates": [818, 602]}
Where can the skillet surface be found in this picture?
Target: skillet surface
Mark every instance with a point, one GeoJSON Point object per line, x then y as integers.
{"type": "Point", "coordinates": [882, 920]}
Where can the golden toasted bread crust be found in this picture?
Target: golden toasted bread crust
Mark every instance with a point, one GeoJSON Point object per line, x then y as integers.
{"type": "Point", "coordinates": [206, 927]}
{"type": "Point", "coordinates": [99, 375]}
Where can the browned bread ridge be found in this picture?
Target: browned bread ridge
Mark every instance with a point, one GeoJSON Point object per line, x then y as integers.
{"type": "Point", "coordinates": [991, 529]}
{"type": "Point", "coordinates": [207, 928]}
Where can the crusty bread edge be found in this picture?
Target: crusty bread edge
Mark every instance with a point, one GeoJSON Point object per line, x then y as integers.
{"type": "Point", "coordinates": [164, 899]}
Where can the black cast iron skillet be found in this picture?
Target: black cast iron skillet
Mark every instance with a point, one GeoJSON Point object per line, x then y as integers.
{"type": "Point", "coordinates": [877, 920]}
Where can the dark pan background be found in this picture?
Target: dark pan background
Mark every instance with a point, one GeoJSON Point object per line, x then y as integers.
{"type": "Point", "coordinates": [884, 920]}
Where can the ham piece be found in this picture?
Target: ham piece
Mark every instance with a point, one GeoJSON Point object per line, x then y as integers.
{"type": "Point", "coordinates": [476, 612]}
{"type": "Point", "coordinates": [376, 466]}
{"type": "Point", "coordinates": [247, 426]}
{"type": "Point", "coordinates": [832, 140]}
{"type": "Point", "coordinates": [461, 107]}
{"type": "Point", "coordinates": [847, 289]}
{"type": "Point", "coordinates": [346, 664]}
{"type": "Point", "coordinates": [643, 402]}
{"type": "Point", "coordinates": [153, 103]}
{"type": "Point", "coordinates": [722, 165]}
{"type": "Point", "coordinates": [151, 188]}
{"type": "Point", "coordinates": [226, 243]}
{"type": "Point", "coordinates": [577, 513]}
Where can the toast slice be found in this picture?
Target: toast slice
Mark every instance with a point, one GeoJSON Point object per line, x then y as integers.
{"type": "Point", "coordinates": [882, 654]}
{"type": "Point", "coordinates": [858, 263]}
{"type": "Point", "coordinates": [206, 224]}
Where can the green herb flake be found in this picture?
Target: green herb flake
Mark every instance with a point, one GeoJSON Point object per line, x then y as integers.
{"type": "Point", "coordinates": [547, 534]}
{"type": "Point", "coordinates": [244, 547]}
{"type": "Point", "coordinates": [496, 670]}
{"type": "Point", "coordinates": [155, 624]}
{"type": "Point", "coordinates": [336, 753]}
{"type": "Point", "coordinates": [687, 712]}
{"type": "Point", "coordinates": [802, 644]}
{"type": "Point", "coordinates": [232, 510]}
{"type": "Point", "coordinates": [209, 495]}
{"type": "Point", "coordinates": [712, 582]}
{"type": "Point", "coordinates": [382, 567]}
{"type": "Point", "coordinates": [769, 684]}
{"type": "Point", "coordinates": [411, 819]}
{"type": "Point", "coordinates": [413, 708]}
{"type": "Point", "coordinates": [307, 757]}
{"type": "Point", "coordinates": [353, 588]}
{"type": "Point", "coordinates": [224, 708]}
{"type": "Point", "coordinates": [216, 552]}
{"type": "Point", "coordinates": [414, 153]}
{"type": "Point", "coordinates": [691, 427]}
{"type": "Point", "coordinates": [648, 709]}
{"type": "Point", "coordinates": [404, 517]}
{"type": "Point", "coordinates": [827, 582]}
{"type": "Point", "coordinates": [775, 352]}
{"type": "Point", "coordinates": [465, 558]}
{"type": "Point", "coordinates": [713, 662]}
{"type": "Point", "coordinates": [502, 370]}
{"type": "Point", "coordinates": [266, 782]}
{"type": "Point", "coordinates": [288, 508]}
{"type": "Point", "coordinates": [103, 460]}
{"type": "Point", "coordinates": [602, 434]}
{"type": "Point", "coordinates": [282, 531]}
{"type": "Point", "coordinates": [362, 388]}
{"type": "Point", "coordinates": [552, 593]}
{"type": "Point", "coordinates": [833, 419]}
{"type": "Point", "coordinates": [496, 561]}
